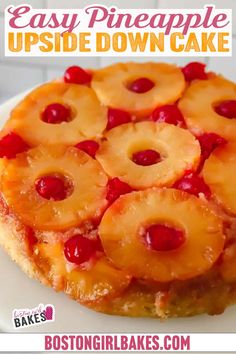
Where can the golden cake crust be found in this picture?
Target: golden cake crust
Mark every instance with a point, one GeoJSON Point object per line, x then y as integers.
{"type": "Point", "coordinates": [10, 241]}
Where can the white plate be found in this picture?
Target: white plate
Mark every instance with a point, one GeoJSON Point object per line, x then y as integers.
{"type": "Point", "coordinates": [18, 291]}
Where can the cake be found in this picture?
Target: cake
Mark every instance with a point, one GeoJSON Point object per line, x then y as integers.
{"type": "Point", "coordinates": [117, 188]}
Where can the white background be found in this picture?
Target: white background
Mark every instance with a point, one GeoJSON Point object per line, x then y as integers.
{"type": "Point", "coordinates": [18, 74]}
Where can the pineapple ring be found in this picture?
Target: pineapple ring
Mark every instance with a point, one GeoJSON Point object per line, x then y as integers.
{"type": "Point", "coordinates": [101, 280]}
{"type": "Point", "coordinates": [218, 172]}
{"type": "Point", "coordinates": [87, 200]}
{"type": "Point", "coordinates": [168, 79]}
{"type": "Point", "coordinates": [197, 107]}
{"type": "Point", "coordinates": [122, 225]}
{"type": "Point", "coordinates": [86, 124]}
{"type": "Point", "coordinates": [179, 154]}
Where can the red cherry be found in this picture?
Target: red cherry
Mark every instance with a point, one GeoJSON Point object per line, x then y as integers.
{"type": "Point", "coordinates": [56, 113]}
{"type": "Point", "coordinates": [116, 188]}
{"type": "Point", "coordinates": [209, 142]}
{"type": "Point", "coordinates": [146, 157]}
{"type": "Point", "coordinates": [117, 117]}
{"type": "Point", "coordinates": [51, 187]}
{"type": "Point", "coordinates": [77, 75]}
{"type": "Point", "coordinates": [141, 85]}
{"type": "Point", "coordinates": [194, 71]}
{"type": "Point", "coordinates": [80, 249]}
{"type": "Point", "coordinates": [168, 114]}
{"type": "Point", "coordinates": [11, 145]}
{"type": "Point", "coordinates": [88, 146]}
{"type": "Point", "coordinates": [193, 184]}
{"type": "Point", "coordinates": [226, 109]}
{"type": "Point", "coordinates": [164, 238]}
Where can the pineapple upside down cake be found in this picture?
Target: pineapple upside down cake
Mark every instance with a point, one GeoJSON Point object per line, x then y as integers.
{"type": "Point", "coordinates": [117, 188]}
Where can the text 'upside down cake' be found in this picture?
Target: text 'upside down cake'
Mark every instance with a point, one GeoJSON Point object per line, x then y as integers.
{"type": "Point", "coordinates": [117, 188]}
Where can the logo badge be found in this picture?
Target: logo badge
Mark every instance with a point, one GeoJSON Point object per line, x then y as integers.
{"type": "Point", "coordinates": [41, 314]}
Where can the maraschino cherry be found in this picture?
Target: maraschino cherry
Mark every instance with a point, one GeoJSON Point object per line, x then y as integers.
{"type": "Point", "coordinates": [194, 71]}
{"type": "Point", "coordinates": [192, 183]}
{"type": "Point", "coordinates": [51, 187]}
{"type": "Point", "coordinates": [146, 157]}
{"type": "Point", "coordinates": [117, 117]}
{"type": "Point", "coordinates": [77, 75]}
{"type": "Point", "coordinates": [141, 85]}
{"type": "Point", "coordinates": [209, 142]}
{"type": "Point", "coordinates": [163, 238]}
{"type": "Point", "coordinates": [11, 145]}
{"type": "Point", "coordinates": [115, 188]}
{"type": "Point", "coordinates": [56, 113]}
{"type": "Point", "coordinates": [88, 146]}
{"type": "Point", "coordinates": [226, 109]}
{"type": "Point", "coordinates": [80, 249]}
{"type": "Point", "coordinates": [168, 114]}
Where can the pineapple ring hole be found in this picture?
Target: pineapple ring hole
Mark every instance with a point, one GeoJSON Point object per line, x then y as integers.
{"type": "Point", "coordinates": [163, 237]}
{"type": "Point", "coordinates": [146, 153]}
{"type": "Point", "coordinates": [54, 186]}
{"type": "Point", "coordinates": [139, 84]}
{"type": "Point", "coordinates": [58, 113]}
{"type": "Point", "coordinates": [146, 157]}
{"type": "Point", "coordinates": [225, 108]}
